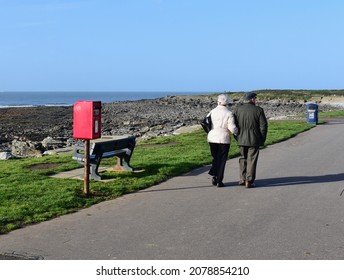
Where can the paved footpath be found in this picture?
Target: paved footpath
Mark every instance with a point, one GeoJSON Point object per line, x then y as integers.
{"type": "Point", "coordinates": [296, 212]}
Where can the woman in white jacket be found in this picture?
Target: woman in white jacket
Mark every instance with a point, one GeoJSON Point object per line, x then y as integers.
{"type": "Point", "coordinates": [219, 138]}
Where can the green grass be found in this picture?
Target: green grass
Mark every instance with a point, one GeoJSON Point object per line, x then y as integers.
{"type": "Point", "coordinates": [270, 94]}
{"type": "Point", "coordinates": [330, 114]}
{"type": "Point", "coordinates": [28, 195]}
{"type": "Point", "coordinates": [285, 94]}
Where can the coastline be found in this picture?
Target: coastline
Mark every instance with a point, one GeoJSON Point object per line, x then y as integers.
{"type": "Point", "coordinates": [68, 98]}
{"type": "Point", "coordinates": [146, 118]}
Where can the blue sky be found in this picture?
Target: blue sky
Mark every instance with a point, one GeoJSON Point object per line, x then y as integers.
{"type": "Point", "coordinates": [171, 45]}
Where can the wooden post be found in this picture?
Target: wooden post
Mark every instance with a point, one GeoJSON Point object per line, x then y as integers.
{"type": "Point", "coordinates": [87, 168]}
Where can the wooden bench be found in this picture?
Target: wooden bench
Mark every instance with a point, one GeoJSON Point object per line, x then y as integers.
{"type": "Point", "coordinates": [106, 147]}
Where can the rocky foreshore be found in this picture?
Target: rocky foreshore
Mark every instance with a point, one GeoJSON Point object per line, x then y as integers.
{"type": "Point", "coordinates": [38, 130]}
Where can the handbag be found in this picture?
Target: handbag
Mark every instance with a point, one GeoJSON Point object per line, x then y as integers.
{"type": "Point", "coordinates": [206, 124]}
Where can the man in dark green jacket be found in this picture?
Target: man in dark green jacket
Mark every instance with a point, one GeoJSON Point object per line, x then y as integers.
{"type": "Point", "coordinates": [253, 128]}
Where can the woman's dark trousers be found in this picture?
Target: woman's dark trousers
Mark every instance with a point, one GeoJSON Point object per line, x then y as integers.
{"type": "Point", "coordinates": [219, 153]}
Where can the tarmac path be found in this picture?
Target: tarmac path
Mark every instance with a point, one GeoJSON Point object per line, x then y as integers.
{"type": "Point", "coordinates": [295, 212]}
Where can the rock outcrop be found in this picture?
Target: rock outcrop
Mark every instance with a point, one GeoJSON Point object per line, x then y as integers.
{"type": "Point", "coordinates": [37, 130]}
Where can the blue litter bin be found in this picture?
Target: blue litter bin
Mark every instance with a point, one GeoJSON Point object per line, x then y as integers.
{"type": "Point", "coordinates": [312, 113]}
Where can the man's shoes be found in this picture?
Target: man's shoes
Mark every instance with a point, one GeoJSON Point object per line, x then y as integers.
{"type": "Point", "coordinates": [250, 185]}
{"type": "Point", "coordinates": [220, 185]}
{"type": "Point", "coordinates": [214, 181]}
{"type": "Point", "coordinates": [242, 183]}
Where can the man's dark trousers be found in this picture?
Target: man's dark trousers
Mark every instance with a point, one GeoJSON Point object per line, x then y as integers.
{"type": "Point", "coordinates": [219, 153]}
{"type": "Point", "coordinates": [248, 163]}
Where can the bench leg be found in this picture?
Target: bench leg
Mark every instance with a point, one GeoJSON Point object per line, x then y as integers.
{"type": "Point", "coordinates": [122, 164]}
{"type": "Point", "coordinates": [94, 172]}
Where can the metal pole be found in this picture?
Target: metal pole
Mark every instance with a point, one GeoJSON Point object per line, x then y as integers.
{"type": "Point", "coordinates": [87, 168]}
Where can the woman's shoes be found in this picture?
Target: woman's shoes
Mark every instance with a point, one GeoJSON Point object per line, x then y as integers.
{"type": "Point", "coordinates": [216, 183]}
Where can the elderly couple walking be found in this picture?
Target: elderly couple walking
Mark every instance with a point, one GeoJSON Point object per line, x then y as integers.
{"type": "Point", "coordinates": [249, 126]}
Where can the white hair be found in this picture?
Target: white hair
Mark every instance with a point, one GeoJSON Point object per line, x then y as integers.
{"type": "Point", "coordinates": [223, 99]}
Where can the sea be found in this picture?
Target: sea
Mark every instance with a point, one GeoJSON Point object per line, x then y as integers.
{"type": "Point", "coordinates": [50, 98]}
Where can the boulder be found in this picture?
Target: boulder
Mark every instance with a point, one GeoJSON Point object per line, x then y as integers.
{"type": "Point", "coordinates": [5, 155]}
{"type": "Point", "coordinates": [26, 148]}
{"type": "Point", "coordinates": [50, 143]}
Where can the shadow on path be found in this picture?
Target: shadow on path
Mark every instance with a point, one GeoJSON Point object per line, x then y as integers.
{"type": "Point", "coordinates": [299, 180]}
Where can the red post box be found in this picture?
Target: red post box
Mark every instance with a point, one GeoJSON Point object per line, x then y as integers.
{"type": "Point", "coordinates": [87, 120]}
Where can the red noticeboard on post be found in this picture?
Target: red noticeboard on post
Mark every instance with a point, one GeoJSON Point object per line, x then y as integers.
{"type": "Point", "coordinates": [87, 120]}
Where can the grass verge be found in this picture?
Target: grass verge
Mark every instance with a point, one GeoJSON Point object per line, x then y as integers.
{"type": "Point", "coordinates": [29, 195]}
